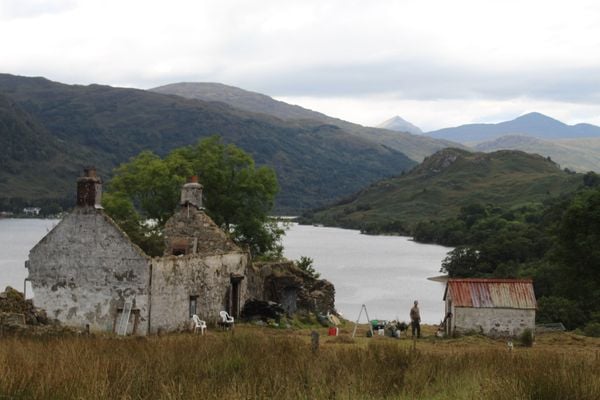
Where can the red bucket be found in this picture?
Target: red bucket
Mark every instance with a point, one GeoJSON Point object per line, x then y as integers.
{"type": "Point", "coordinates": [333, 331]}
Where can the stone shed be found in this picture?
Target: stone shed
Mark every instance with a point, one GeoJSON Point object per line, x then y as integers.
{"type": "Point", "coordinates": [86, 271]}
{"type": "Point", "coordinates": [494, 307]}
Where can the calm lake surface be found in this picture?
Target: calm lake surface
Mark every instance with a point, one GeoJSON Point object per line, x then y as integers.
{"type": "Point", "coordinates": [17, 237]}
{"type": "Point", "coordinates": [387, 273]}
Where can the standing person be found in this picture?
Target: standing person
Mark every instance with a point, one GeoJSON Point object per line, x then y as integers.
{"type": "Point", "coordinates": [415, 318]}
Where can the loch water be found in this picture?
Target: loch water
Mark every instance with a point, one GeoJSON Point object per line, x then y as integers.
{"type": "Point", "coordinates": [386, 273]}
{"type": "Point", "coordinates": [17, 237]}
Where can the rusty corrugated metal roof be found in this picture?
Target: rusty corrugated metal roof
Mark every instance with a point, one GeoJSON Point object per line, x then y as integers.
{"type": "Point", "coordinates": [490, 293]}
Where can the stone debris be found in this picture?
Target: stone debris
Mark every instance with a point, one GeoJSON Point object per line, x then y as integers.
{"type": "Point", "coordinates": [19, 316]}
{"type": "Point", "coordinates": [286, 284]}
{"type": "Point", "coordinates": [13, 302]}
{"type": "Point", "coordinates": [262, 310]}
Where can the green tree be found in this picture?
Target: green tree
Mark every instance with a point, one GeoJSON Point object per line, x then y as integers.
{"type": "Point", "coordinates": [306, 265]}
{"type": "Point", "coordinates": [465, 262]}
{"type": "Point", "coordinates": [472, 213]}
{"type": "Point", "coordinates": [151, 184]}
{"type": "Point", "coordinates": [559, 309]}
{"type": "Point", "coordinates": [238, 196]}
{"type": "Point", "coordinates": [577, 250]}
{"type": "Point", "coordinates": [591, 179]}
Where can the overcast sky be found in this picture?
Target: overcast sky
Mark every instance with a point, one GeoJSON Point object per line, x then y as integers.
{"type": "Point", "coordinates": [434, 63]}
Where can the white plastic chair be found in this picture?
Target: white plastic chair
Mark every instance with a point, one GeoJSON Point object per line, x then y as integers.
{"type": "Point", "coordinates": [226, 319]}
{"type": "Point", "coordinates": [198, 324]}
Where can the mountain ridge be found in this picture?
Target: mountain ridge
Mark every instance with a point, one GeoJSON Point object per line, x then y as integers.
{"type": "Point", "coordinates": [416, 147]}
{"type": "Point", "coordinates": [530, 124]}
{"type": "Point", "coordinates": [581, 154]}
{"type": "Point", "coordinates": [105, 126]}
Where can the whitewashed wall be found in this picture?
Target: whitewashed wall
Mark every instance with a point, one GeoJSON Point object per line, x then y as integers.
{"type": "Point", "coordinates": [493, 321]}
{"type": "Point", "coordinates": [85, 268]}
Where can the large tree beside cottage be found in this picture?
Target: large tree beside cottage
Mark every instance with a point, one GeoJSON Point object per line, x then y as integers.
{"type": "Point", "coordinates": [238, 195]}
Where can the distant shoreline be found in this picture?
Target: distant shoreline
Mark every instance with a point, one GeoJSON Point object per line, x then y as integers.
{"type": "Point", "coordinates": [440, 278]}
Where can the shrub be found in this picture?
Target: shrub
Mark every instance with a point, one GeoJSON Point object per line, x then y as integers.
{"type": "Point", "coordinates": [526, 338]}
{"type": "Point", "coordinates": [592, 329]}
{"type": "Point", "coordinates": [559, 309]}
{"type": "Point", "coordinates": [306, 265]}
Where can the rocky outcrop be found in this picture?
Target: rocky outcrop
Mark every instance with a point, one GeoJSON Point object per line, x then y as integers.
{"type": "Point", "coordinates": [294, 289]}
{"type": "Point", "coordinates": [440, 161]}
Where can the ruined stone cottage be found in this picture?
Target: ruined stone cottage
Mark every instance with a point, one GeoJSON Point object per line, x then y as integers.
{"type": "Point", "coordinates": [86, 271]}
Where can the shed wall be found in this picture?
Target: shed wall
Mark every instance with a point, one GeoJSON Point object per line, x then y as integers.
{"type": "Point", "coordinates": [493, 321]}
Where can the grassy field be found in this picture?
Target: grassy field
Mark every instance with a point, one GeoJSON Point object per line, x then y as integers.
{"type": "Point", "coordinates": [266, 363]}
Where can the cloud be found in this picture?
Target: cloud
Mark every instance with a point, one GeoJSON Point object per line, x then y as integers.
{"type": "Point", "coordinates": [428, 80]}
{"type": "Point", "coordinates": [451, 54]}
{"type": "Point", "coordinates": [14, 9]}
{"type": "Point", "coordinates": [436, 114]}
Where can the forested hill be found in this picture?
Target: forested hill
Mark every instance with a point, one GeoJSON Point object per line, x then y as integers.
{"type": "Point", "coordinates": [444, 183]}
{"type": "Point", "coordinates": [33, 161]}
{"type": "Point", "coordinates": [68, 126]}
{"type": "Point", "coordinates": [414, 146]}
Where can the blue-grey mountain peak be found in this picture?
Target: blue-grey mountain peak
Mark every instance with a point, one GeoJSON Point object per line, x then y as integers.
{"type": "Point", "coordinates": [399, 124]}
{"type": "Point", "coordinates": [532, 124]}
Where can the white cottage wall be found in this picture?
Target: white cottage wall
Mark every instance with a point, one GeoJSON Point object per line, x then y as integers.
{"type": "Point", "coordinates": [83, 271]}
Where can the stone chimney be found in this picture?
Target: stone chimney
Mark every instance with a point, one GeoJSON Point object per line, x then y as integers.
{"type": "Point", "coordinates": [89, 189]}
{"type": "Point", "coordinates": [191, 193]}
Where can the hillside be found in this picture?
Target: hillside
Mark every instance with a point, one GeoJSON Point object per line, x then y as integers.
{"type": "Point", "coordinates": [446, 181]}
{"type": "Point", "coordinates": [32, 160]}
{"type": "Point", "coordinates": [399, 124]}
{"type": "Point", "coordinates": [532, 124]}
{"type": "Point", "coordinates": [579, 155]}
{"type": "Point", "coordinates": [415, 147]}
{"type": "Point", "coordinates": [101, 125]}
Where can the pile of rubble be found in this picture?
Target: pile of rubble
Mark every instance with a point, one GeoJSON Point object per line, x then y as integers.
{"type": "Point", "coordinates": [291, 287]}
{"type": "Point", "coordinates": [262, 310]}
{"type": "Point", "coordinates": [19, 316]}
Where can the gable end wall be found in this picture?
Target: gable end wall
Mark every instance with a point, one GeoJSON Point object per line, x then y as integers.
{"type": "Point", "coordinates": [84, 269]}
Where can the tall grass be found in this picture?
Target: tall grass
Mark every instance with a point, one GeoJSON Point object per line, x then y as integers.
{"type": "Point", "coordinates": [253, 365]}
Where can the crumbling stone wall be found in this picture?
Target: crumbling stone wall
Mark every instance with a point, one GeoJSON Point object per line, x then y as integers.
{"type": "Point", "coordinates": [495, 322]}
{"type": "Point", "coordinates": [176, 278]}
{"type": "Point", "coordinates": [276, 281]}
{"type": "Point", "coordinates": [85, 268]}
{"type": "Point", "coordinates": [191, 231]}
